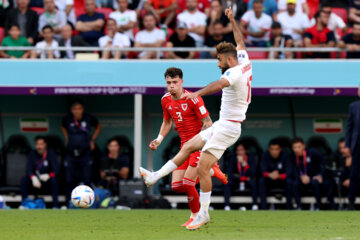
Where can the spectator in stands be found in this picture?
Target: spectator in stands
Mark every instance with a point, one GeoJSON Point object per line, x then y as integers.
{"type": "Point", "coordinates": [163, 10]}
{"type": "Point", "coordinates": [309, 170]}
{"type": "Point", "coordinates": [270, 7]}
{"type": "Point", "coordinates": [275, 172]}
{"type": "Point", "coordinates": [68, 40]}
{"type": "Point", "coordinates": [25, 18]}
{"type": "Point", "coordinates": [113, 39]}
{"type": "Point", "coordinates": [352, 141]}
{"type": "Point", "coordinates": [49, 41]}
{"type": "Point", "coordinates": [239, 7]}
{"type": "Point", "coordinates": [354, 11]}
{"type": "Point", "coordinates": [181, 38]}
{"type": "Point", "coordinates": [53, 17]}
{"type": "Point", "coordinates": [105, 4]}
{"type": "Point", "coordinates": [293, 23]}
{"type": "Point", "coordinates": [256, 25]}
{"type": "Point", "coordinates": [76, 127]}
{"type": "Point", "coordinates": [67, 6]}
{"type": "Point", "coordinates": [301, 6]}
{"type": "Point", "coordinates": [217, 37]}
{"type": "Point", "coordinates": [281, 40]}
{"type": "Point", "coordinates": [345, 163]}
{"type": "Point", "coordinates": [217, 14]}
{"type": "Point", "coordinates": [202, 6]}
{"type": "Point", "coordinates": [15, 40]}
{"type": "Point", "coordinates": [351, 41]}
{"type": "Point", "coordinates": [125, 18]}
{"type": "Point", "coordinates": [195, 20]}
{"type": "Point", "coordinates": [149, 37]}
{"type": "Point", "coordinates": [113, 167]}
{"type": "Point", "coordinates": [41, 171]}
{"type": "Point", "coordinates": [242, 172]}
{"type": "Point", "coordinates": [5, 6]}
{"type": "Point", "coordinates": [319, 36]}
{"type": "Point", "coordinates": [91, 24]}
{"type": "Point", "coordinates": [334, 22]}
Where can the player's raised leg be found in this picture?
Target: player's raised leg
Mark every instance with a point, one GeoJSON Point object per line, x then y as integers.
{"type": "Point", "coordinates": [194, 144]}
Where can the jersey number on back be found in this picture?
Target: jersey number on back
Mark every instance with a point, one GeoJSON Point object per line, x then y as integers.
{"type": "Point", "coordinates": [179, 116]}
{"type": "Point", "coordinates": [249, 87]}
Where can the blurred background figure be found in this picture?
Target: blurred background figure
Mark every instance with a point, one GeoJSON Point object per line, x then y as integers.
{"type": "Point", "coordinates": [70, 40]}
{"type": "Point", "coordinates": [242, 172]}
{"type": "Point", "coordinates": [181, 38]}
{"type": "Point", "coordinates": [281, 40]}
{"type": "Point", "coordinates": [41, 172]}
{"type": "Point", "coordinates": [15, 40]}
{"type": "Point", "coordinates": [48, 42]}
{"type": "Point", "coordinates": [76, 127]}
{"type": "Point", "coordinates": [114, 166]}
{"type": "Point", "coordinates": [52, 17]}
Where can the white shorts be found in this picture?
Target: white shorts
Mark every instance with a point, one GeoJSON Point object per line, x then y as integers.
{"type": "Point", "coordinates": [220, 136]}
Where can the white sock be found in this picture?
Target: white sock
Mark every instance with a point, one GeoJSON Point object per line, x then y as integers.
{"type": "Point", "coordinates": [193, 215]}
{"type": "Point", "coordinates": [205, 199]}
{"type": "Point", "coordinates": [211, 172]}
{"type": "Point", "coordinates": [167, 169]}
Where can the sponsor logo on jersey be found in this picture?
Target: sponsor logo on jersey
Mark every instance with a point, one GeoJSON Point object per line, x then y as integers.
{"type": "Point", "coordinates": [184, 106]}
{"type": "Point", "coordinates": [202, 110]}
{"type": "Point", "coordinates": [170, 108]}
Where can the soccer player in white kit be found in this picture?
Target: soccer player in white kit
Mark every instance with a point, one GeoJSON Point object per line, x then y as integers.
{"type": "Point", "coordinates": [235, 84]}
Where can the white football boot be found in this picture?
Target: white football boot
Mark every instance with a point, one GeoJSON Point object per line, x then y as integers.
{"type": "Point", "coordinates": [201, 219]}
{"type": "Point", "coordinates": [149, 177]}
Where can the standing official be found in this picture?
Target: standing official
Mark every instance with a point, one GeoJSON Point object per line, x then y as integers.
{"type": "Point", "coordinates": [76, 127]}
{"type": "Point", "coordinates": [353, 142]}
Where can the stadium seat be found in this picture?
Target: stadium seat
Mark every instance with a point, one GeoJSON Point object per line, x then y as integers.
{"type": "Point", "coordinates": [55, 143]}
{"type": "Point", "coordinates": [105, 11]}
{"type": "Point", "coordinates": [2, 34]}
{"type": "Point", "coordinates": [251, 144]}
{"type": "Point", "coordinates": [258, 55]}
{"type": "Point", "coordinates": [15, 151]}
{"type": "Point", "coordinates": [38, 10]}
{"type": "Point", "coordinates": [341, 12]}
{"type": "Point", "coordinates": [319, 143]}
{"type": "Point", "coordinates": [313, 7]}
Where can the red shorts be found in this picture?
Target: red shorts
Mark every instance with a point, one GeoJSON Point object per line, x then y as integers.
{"type": "Point", "coordinates": [192, 161]}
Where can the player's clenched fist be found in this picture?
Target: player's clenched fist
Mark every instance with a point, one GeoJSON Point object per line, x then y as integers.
{"type": "Point", "coordinates": [156, 142]}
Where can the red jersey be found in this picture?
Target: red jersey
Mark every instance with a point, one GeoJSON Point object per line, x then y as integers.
{"type": "Point", "coordinates": [187, 115]}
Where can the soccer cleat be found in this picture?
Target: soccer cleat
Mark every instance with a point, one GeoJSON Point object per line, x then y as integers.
{"type": "Point", "coordinates": [219, 174]}
{"type": "Point", "coordinates": [201, 219]}
{"type": "Point", "coordinates": [148, 177]}
{"type": "Point", "coordinates": [188, 222]}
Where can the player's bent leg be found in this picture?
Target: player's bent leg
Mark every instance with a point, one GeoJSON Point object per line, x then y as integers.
{"type": "Point", "coordinates": [207, 160]}
{"type": "Point", "coordinates": [189, 183]}
{"type": "Point", "coordinates": [177, 181]}
{"type": "Point", "coordinates": [193, 145]}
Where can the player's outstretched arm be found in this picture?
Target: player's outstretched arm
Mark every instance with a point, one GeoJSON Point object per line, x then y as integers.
{"type": "Point", "coordinates": [164, 130]}
{"type": "Point", "coordinates": [239, 38]}
{"type": "Point", "coordinates": [209, 89]}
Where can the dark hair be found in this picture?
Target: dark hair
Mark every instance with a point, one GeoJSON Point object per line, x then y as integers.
{"type": "Point", "coordinates": [173, 72]}
{"type": "Point", "coordinates": [218, 21]}
{"type": "Point", "coordinates": [149, 14]}
{"type": "Point", "coordinates": [47, 27]}
{"type": "Point", "coordinates": [226, 48]}
{"type": "Point", "coordinates": [341, 140]}
{"type": "Point", "coordinates": [112, 140]}
{"type": "Point", "coordinates": [76, 102]}
{"type": "Point", "coordinates": [111, 19]}
{"type": "Point", "coordinates": [317, 15]}
{"type": "Point", "coordinates": [257, 1]}
{"type": "Point", "coordinates": [217, 1]}
{"type": "Point", "coordinates": [274, 142]}
{"type": "Point", "coordinates": [14, 25]}
{"type": "Point", "coordinates": [275, 25]}
{"type": "Point", "coordinates": [325, 4]}
{"type": "Point", "coordinates": [39, 137]}
{"type": "Point", "coordinates": [297, 140]}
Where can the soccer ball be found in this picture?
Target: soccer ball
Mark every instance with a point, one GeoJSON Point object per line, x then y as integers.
{"type": "Point", "coordinates": [82, 196]}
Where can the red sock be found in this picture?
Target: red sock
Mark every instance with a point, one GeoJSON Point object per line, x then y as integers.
{"type": "Point", "coordinates": [178, 187]}
{"type": "Point", "coordinates": [192, 194]}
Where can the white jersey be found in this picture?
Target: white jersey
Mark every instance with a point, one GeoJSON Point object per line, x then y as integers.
{"type": "Point", "coordinates": [237, 97]}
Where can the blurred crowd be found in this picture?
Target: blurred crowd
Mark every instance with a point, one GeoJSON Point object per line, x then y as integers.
{"type": "Point", "coordinates": [177, 23]}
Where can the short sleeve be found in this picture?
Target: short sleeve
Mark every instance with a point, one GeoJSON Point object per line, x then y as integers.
{"type": "Point", "coordinates": [138, 37]}
{"type": "Point", "coordinates": [94, 121]}
{"type": "Point", "coordinates": [199, 107]}
{"type": "Point", "coordinates": [267, 24]}
{"type": "Point", "coordinates": [38, 46]}
{"type": "Point", "coordinates": [56, 52]}
{"type": "Point", "coordinates": [166, 114]}
{"type": "Point", "coordinates": [339, 22]}
{"type": "Point", "coordinates": [102, 41]}
{"type": "Point", "coordinates": [203, 19]}
{"type": "Point", "coordinates": [246, 17]}
{"type": "Point", "coordinates": [69, 2]}
{"type": "Point", "coordinates": [133, 16]}
{"type": "Point", "coordinates": [242, 56]}
{"type": "Point", "coordinates": [161, 35]}
{"type": "Point", "coordinates": [305, 23]}
{"type": "Point", "coordinates": [232, 75]}
{"type": "Point", "coordinates": [4, 42]}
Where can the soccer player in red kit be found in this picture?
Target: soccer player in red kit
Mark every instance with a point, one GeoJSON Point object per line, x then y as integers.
{"type": "Point", "coordinates": [190, 117]}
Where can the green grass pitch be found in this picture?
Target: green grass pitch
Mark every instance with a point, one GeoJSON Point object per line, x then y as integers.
{"type": "Point", "coordinates": [165, 224]}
